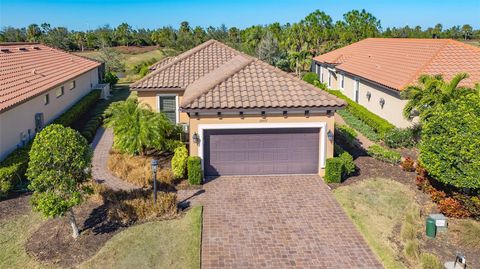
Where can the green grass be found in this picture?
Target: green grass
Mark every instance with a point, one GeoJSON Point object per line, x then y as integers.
{"type": "Point", "coordinates": [158, 244]}
{"type": "Point", "coordinates": [14, 233]}
{"type": "Point", "coordinates": [376, 207]}
{"type": "Point", "coordinates": [359, 125]}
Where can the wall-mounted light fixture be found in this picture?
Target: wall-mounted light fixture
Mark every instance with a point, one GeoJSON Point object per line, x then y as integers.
{"type": "Point", "coordinates": [330, 135]}
{"type": "Point", "coordinates": [219, 115]}
{"type": "Point", "coordinates": [381, 102]}
{"type": "Point", "coordinates": [196, 138]}
{"type": "Point", "coordinates": [264, 114]}
{"type": "Point", "coordinates": [307, 113]}
{"type": "Point", "coordinates": [369, 95]}
{"type": "Point", "coordinates": [241, 115]}
{"type": "Point", "coordinates": [285, 114]}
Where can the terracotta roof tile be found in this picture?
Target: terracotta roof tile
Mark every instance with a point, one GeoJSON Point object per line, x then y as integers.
{"type": "Point", "coordinates": [216, 76]}
{"type": "Point", "coordinates": [397, 62]}
{"type": "Point", "coordinates": [28, 70]}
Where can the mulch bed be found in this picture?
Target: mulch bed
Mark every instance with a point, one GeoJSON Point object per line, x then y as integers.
{"type": "Point", "coordinates": [53, 243]}
{"type": "Point", "coordinates": [14, 206]}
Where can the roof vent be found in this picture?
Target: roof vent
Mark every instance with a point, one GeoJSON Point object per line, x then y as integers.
{"type": "Point", "coordinates": [36, 47]}
{"type": "Point", "coordinates": [5, 50]}
{"type": "Point", "coordinates": [34, 71]}
{"type": "Point", "coordinates": [22, 49]}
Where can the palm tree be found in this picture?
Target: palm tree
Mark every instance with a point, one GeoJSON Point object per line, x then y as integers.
{"type": "Point", "coordinates": [137, 128]}
{"type": "Point", "coordinates": [430, 91]}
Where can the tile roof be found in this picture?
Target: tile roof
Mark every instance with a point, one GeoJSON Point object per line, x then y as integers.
{"type": "Point", "coordinates": [398, 62]}
{"type": "Point", "coordinates": [29, 69]}
{"type": "Point", "coordinates": [216, 76]}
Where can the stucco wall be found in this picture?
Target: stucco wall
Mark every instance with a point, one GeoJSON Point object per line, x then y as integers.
{"type": "Point", "coordinates": [391, 111]}
{"type": "Point", "coordinates": [21, 118]}
{"type": "Point", "coordinates": [150, 98]}
{"type": "Point", "coordinates": [235, 119]}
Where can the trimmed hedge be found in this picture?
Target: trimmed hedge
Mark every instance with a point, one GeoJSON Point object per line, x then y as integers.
{"type": "Point", "coordinates": [338, 168]}
{"type": "Point", "coordinates": [359, 125]}
{"type": "Point", "coordinates": [347, 132]}
{"type": "Point", "coordinates": [179, 161]}
{"type": "Point", "coordinates": [195, 173]}
{"type": "Point", "coordinates": [12, 169]}
{"type": "Point", "coordinates": [333, 170]}
{"type": "Point", "coordinates": [310, 77]}
{"type": "Point", "coordinates": [77, 110]}
{"type": "Point", "coordinates": [380, 125]}
{"type": "Point", "coordinates": [383, 154]}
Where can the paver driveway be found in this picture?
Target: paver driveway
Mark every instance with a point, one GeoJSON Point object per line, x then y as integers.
{"type": "Point", "coordinates": [278, 222]}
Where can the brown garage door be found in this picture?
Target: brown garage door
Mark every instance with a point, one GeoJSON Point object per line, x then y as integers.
{"type": "Point", "coordinates": [261, 151]}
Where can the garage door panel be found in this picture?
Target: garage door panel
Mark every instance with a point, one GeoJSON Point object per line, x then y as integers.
{"type": "Point", "coordinates": [261, 151]}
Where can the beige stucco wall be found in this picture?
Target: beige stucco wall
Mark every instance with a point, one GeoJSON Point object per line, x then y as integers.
{"type": "Point", "coordinates": [235, 119]}
{"type": "Point", "coordinates": [151, 99]}
{"type": "Point", "coordinates": [21, 118]}
{"type": "Point", "coordinates": [392, 111]}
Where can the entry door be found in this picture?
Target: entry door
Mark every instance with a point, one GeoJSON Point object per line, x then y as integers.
{"type": "Point", "coordinates": [261, 151]}
{"type": "Point", "coordinates": [356, 89]}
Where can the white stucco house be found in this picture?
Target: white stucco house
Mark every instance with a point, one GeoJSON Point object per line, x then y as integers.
{"type": "Point", "coordinates": [374, 71]}
{"type": "Point", "coordinates": [37, 84]}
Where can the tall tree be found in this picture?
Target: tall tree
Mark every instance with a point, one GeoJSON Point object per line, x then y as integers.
{"type": "Point", "coordinates": [267, 49]}
{"type": "Point", "coordinates": [123, 33]}
{"type": "Point", "coordinates": [360, 25]}
{"type": "Point", "coordinates": [467, 31]}
{"type": "Point", "coordinates": [34, 33]}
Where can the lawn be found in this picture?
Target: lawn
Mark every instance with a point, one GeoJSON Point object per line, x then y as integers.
{"type": "Point", "coordinates": [158, 244]}
{"type": "Point", "coordinates": [387, 213]}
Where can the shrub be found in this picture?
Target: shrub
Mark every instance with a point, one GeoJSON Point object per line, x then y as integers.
{"type": "Point", "coordinates": [337, 149]}
{"type": "Point", "coordinates": [452, 208]}
{"type": "Point", "coordinates": [128, 207]}
{"type": "Point", "coordinates": [471, 204]}
{"type": "Point", "coordinates": [13, 169]}
{"type": "Point", "coordinates": [450, 142]}
{"type": "Point", "coordinates": [79, 109]}
{"type": "Point", "coordinates": [194, 167]}
{"type": "Point", "coordinates": [359, 125]}
{"type": "Point", "coordinates": [412, 249]}
{"type": "Point", "coordinates": [408, 164]}
{"type": "Point", "coordinates": [179, 162]}
{"type": "Point", "coordinates": [334, 170]}
{"type": "Point", "coordinates": [430, 261]}
{"type": "Point", "coordinates": [380, 125]}
{"type": "Point", "coordinates": [400, 138]}
{"type": "Point", "coordinates": [111, 78]}
{"type": "Point", "coordinates": [134, 169]}
{"type": "Point", "coordinates": [383, 154]}
{"type": "Point", "coordinates": [347, 132]}
{"type": "Point", "coordinates": [310, 77]}
{"type": "Point", "coordinates": [8, 177]}
{"type": "Point", "coordinates": [348, 164]}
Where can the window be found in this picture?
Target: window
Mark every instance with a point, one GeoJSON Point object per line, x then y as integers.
{"type": "Point", "coordinates": [342, 81]}
{"type": "Point", "coordinates": [46, 99]}
{"type": "Point", "coordinates": [321, 74]}
{"type": "Point", "coordinates": [60, 91]}
{"type": "Point", "coordinates": [167, 104]}
{"type": "Point", "coordinates": [71, 85]}
{"type": "Point", "coordinates": [329, 79]}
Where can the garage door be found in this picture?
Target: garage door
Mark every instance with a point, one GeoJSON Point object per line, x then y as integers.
{"type": "Point", "coordinates": [261, 151]}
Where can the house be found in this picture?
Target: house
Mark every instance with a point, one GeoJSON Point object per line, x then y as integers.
{"type": "Point", "coordinates": [374, 71]}
{"type": "Point", "coordinates": [37, 84]}
{"type": "Point", "coordinates": [243, 116]}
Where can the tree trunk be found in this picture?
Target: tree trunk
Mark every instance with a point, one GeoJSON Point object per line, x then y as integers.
{"type": "Point", "coordinates": [73, 223]}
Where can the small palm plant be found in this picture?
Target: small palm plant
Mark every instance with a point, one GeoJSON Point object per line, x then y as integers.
{"type": "Point", "coordinates": [137, 128]}
{"type": "Point", "coordinates": [430, 91]}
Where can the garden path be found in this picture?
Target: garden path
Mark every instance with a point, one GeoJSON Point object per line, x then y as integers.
{"type": "Point", "coordinates": [102, 143]}
{"type": "Point", "coordinates": [362, 140]}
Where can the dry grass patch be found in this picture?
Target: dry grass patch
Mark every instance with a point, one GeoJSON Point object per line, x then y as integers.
{"type": "Point", "coordinates": [137, 170]}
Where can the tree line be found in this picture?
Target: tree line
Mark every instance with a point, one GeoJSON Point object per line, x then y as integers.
{"type": "Point", "coordinates": [288, 46]}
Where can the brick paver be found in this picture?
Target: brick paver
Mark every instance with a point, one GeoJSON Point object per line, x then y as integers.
{"type": "Point", "coordinates": [102, 143]}
{"type": "Point", "coordinates": [278, 222]}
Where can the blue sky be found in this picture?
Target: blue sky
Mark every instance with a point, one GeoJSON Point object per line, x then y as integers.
{"type": "Point", "coordinates": [88, 14]}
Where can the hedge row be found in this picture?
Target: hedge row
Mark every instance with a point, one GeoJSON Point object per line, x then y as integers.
{"type": "Point", "coordinates": [13, 169]}
{"type": "Point", "coordinates": [383, 154]}
{"type": "Point", "coordinates": [347, 132]}
{"type": "Point", "coordinates": [359, 125]}
{"type": "Point", "coordinates": [338, 168]}
{"type": "Point", "coordinates": [380, 125]}
{"type": "Point", "coordinates": [77, 110]}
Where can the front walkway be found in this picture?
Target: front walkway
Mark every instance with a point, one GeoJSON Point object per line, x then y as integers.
{"type": "Point", "coordinates": [278, 222]}
{"type": "Point", "coordinates": [102, 143]}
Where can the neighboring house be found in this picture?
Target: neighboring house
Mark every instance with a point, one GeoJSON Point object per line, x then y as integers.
{"type": "Point", "coordinates": [243, 115]}
{"type": "Point", "coordinates": [37, 84]}
{"type": "Point", "coordinates": [373, 71]}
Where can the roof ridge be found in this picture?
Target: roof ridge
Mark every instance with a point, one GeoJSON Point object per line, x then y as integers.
{"type": "Point", "coordinates": [215, 77]}
{"type": "Point", "coordinates": [177, 59]}
{"type": "Point", "coordinates": [418, 72]}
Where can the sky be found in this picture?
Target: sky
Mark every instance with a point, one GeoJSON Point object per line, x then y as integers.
{"type": "Point", "coordinates": [89, 14]}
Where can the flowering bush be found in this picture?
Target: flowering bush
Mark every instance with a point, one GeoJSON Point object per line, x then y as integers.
{"type": "Point", "coordinates": [408, 164]}
{"type": "Point", "coordinates": [452, 208]}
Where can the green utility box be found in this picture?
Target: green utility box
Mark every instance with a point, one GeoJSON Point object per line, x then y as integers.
{"type": "Point", "coordinates": [431, 228]}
